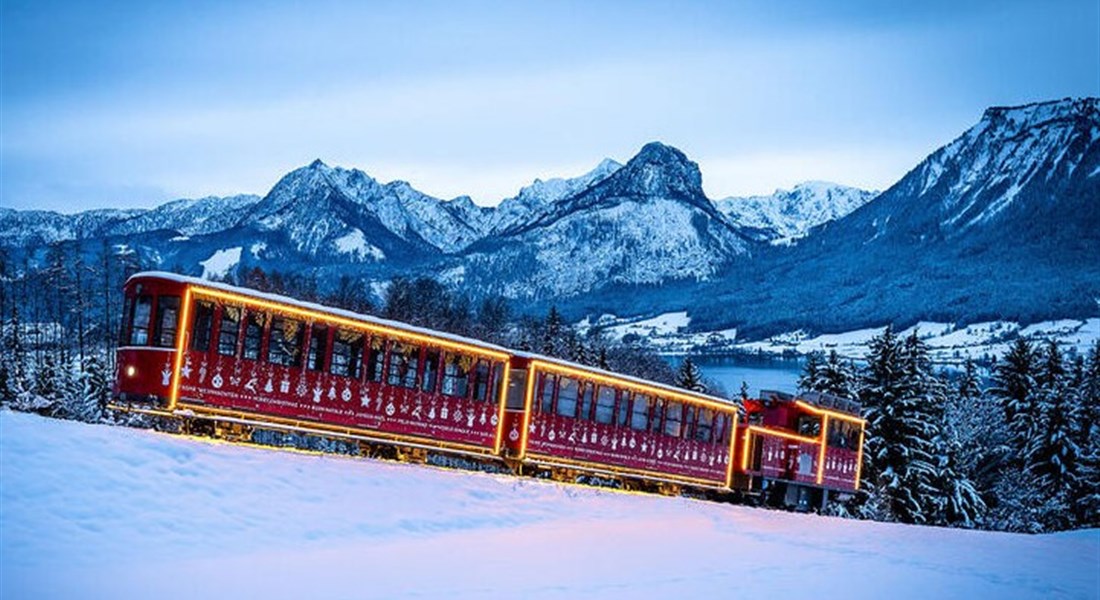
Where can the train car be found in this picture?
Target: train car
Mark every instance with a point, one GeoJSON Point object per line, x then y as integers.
{"type": "Point", "coordinates": [255, 359]}
{"type": "Point", "coordinates": [580, 420]}
{"type": "Point", "coordinates": [798, 450]}
{"type": "Point", "coordinates": [228, 361]}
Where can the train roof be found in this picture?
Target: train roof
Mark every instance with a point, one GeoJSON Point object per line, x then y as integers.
{"type": "Point", "coordinates": [817, 399]}
{"type": "Point", "coordinates": [423, 331]}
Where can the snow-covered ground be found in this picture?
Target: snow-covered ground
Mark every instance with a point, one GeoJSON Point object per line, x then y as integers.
{"type": "Point", "coordinates": [106, 512]}
{"type": "Point", "coordinates": [947, 343]}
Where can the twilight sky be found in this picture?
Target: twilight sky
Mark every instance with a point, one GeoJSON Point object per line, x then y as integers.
{"type": "Point", "coordinates": [126, 104]}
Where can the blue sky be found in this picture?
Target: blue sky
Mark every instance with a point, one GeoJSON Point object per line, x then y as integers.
{"type": "Point", "coordinates": [134, 103]}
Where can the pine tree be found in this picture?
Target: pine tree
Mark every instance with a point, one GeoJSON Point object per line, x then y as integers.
{"type": "Point", "coordinates": [837, 377]}
{"type": "Point", "coordinates": [903, 403]}
{"type": "Point", "coordinates": [1013, 384]}
{"type": "Point", "coordinates": [810, 379]}
{"type": "Point", "coordinates": [689, 377]}
{"type": "Point", "coordinates": [1052, 455]}
{"type": "Point", "coordinates": [552, 334]}
{"type": "Point", "coordinates": [1085, 494]}
{"type": "Point", "coordinates": [94, 390]}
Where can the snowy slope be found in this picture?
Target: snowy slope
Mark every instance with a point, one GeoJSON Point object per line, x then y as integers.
{"type": "Point", "coordinates": [106, 512]}
{"type": "Point", "coordinates": [787, 215]}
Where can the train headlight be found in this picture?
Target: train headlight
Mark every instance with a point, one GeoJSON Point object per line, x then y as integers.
{"type": "Point", "coordinates": [131, 371]}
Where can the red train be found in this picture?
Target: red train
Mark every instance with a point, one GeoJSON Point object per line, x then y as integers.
{"type": "Point", "coordinates": [230, 361]}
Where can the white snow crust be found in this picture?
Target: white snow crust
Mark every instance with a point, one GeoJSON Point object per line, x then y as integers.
{"type": "Point", "coordinates": [93, 511]}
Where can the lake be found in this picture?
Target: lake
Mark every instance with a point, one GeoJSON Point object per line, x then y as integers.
{"type": "Point", "coordinates": [759, 374]}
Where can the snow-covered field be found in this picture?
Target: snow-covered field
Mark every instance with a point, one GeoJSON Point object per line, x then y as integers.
{"type": "Point", "coordinates": [105, 512]}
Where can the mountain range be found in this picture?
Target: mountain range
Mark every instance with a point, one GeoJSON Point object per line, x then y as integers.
{"type": "Point", "coordinates": [1001, 223]}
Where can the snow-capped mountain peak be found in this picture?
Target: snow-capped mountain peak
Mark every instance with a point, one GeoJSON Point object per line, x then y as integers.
{"type": "Point", "coordinates": [788, 215]}
{"type": "Point", "coordinates": [534, 200]}
{"type": "Point", "coordinates": [1013, 166]}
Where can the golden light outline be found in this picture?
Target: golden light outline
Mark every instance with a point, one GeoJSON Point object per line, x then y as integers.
{"type": "Point", "coordinates": [528, 396]}
{"type": "Point", "coordinates": [832, 413]}
{"type": "Point", "coordinates": [821, 451]}
{"type": "Point", "coordinates": [500, 409]}
{"type": "Point", "coordinates": [626, 383]}
{"type": "Point", "coordinates": [733, 448]}
{"type": "Point", "coordinates": [338, 320]}
{"type": "Point", "coordinates": [181, 334]}
{"type": "Point", "coordinates": [595, 466]}
{"type": "Point", "coordinates": [859, 458]}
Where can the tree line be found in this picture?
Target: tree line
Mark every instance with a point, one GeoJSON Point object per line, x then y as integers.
{"type": "Point", "coordinates": [1018, 450]}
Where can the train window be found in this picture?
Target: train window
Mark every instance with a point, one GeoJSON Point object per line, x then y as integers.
{"type": "Point", "coordinates": [656, 414]}
{"type": "Point", "coordinates": [567, 397]}
{"type": "Point", "coordinates": [498, 376]}
{"type": "Point", "coordinates": [127, 321]}
{"type": "Point", "coordinates": [168, 311]}
{"type": "Point", "coordinates": [639, 417]}
{"type": "Point", "coordinates": [689, 421]}
{"type": "Point", "coordinates": [139, 328]}
{"type": "Point", "coordinates": [481, 380]}
{"type": "Point", "coordinates": [673, 417]}
{"type": "Point", "coordinates": [456, 380]}
{"type": "Point", "coordinates": [703, 424]}
{"type": "Point", "coordinates": [318, 342]}
{"type": "Point", "coordinates": [201, 326]}
{"type": "Point", "coordinates": [347, 352]}
{"type": "Point", "coordinates": [842, 434]}
{"type": "Point", "coordinates": [721, 428]}
{"type": "Point", "coordinates": [517, 390]}
{"type": "Point", "coordinates": [587, 396]}
{"type": "Point", "coordinates": [809, 426]}
{"type": "Point", "coordinates": [230, 330]}
{"type": "Point", "coordinates": [284, 345]}
{"type": "Point", "coordinates": [404, 361]}
{"type": "Point", "coordinates": [605, 405]}
{"type": "Point", "coordinates": [253, 335]}
{"type": "Point", "coordinates": [431, 371]}
{"type": "Point", "coordinates": [624, 409]}
{"type": "Point", "coordinates": [376, 359]}
{"type": "Point", "coordinates": [547, 384]}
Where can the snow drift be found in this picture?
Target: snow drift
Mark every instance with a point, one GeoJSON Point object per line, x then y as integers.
{"type": "Point", "coordinates": [105, 512]}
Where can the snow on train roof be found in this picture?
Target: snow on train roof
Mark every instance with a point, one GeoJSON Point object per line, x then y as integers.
{"type": "Point", "coordinates": [313, 306]}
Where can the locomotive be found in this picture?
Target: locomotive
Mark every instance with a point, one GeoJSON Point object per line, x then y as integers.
{"type": "Point", "coordinates": [229, 361]}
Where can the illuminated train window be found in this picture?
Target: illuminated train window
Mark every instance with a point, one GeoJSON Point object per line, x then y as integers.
{"type": "Point", "coordinates": [639, 419]}
{"type": "Point", "coordinates": [201, 326]}
{"type": "Point", "coordinates": [567, 397]}
{"type": "Point", "coordinates": [139, 328]}
{"type": "Point", "coordinates": [673, 416]}
{"type": "Point", "coordinates": [253, 335]}
{"type": "Point", "coordinates": [431, 371]}
{"type": "Point", "coordinates": [347, 351]}
{"type": "Point", "coordinates": [318, 343]}
{"type": "Point", "coordinates": [605, 404]}
{"type": "Point", "coordinates": [624, 409]}
{"type": "Point", "coordinates": [481, 380]}
{"type": "Point", "coordinates": [376, 359]}
{"type": "Point", "coordinates": [285, 342]}
{"type": "Point", "coordinates": [703, 424]}
{"type": "Point", "coordinates": [230, 330]}
{"type": "Point", "coordinates": [456, 370]}
{"type": "Point", "coordinates": [167, 322]}
{"type": "Point", "coordinates": [404, 361]}
{"type": "Point", "coordinates": [547, 385]}
{"type": "Point", "coordinates": [656, 414]}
